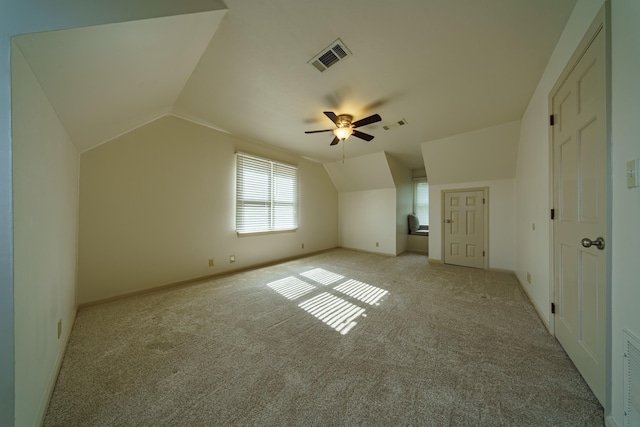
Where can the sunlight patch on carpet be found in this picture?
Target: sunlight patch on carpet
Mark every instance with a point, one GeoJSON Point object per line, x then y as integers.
{"type": "Point", "coordinates": [291, 287]}
{"type": "Point", "coordinates": [339, 311]}
{"type": "Point", "coordinates": [334, 311]}
{"type": "Point", "coordinates": [322, 276]}
{"type": "Point", "coordinates": [362, 291]}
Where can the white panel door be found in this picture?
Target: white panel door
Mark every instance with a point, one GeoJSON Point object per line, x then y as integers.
{"type": "Point", "coordinates": [580, 203]}
{"type": "Point", "coordinates": [464, 228]}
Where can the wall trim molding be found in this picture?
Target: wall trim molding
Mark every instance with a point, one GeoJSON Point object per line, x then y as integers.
{"type": "Point", "coordinates": [609, 421]}
{"type": "Point", "coordinates": [56, 370]}
{"type": "Point", "coordinates": [194, 280]}
{"type": "Point", "coordinates": [535, 306]}
{"type": "Point", "coordinates": [503, 270]}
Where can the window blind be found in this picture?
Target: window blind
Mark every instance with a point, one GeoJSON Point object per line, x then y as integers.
{"type": "Point", "coordinates": [421, 200]}
{"type": "Point", "coordinates": [266, 195]}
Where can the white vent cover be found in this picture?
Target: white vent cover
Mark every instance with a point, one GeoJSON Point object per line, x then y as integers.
{"type": "Point", "coordinates": [331, 55]}
{"type": "Point", "coordinates": [631, 380]}
{"type": "Point", "coordinates": [394, 124]}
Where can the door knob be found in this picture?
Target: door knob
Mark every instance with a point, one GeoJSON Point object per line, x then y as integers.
{"type": "Point", "coordinates": [598, 243]}
{"type": "Point", "coordinates": [448, 221]}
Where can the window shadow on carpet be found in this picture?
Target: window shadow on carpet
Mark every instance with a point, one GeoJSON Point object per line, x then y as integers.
{"type": "Point", "coordinates": [332, 298]}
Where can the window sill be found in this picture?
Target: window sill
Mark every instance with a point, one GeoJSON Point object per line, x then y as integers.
{"type": "Point", "coordinates": [263, 233]}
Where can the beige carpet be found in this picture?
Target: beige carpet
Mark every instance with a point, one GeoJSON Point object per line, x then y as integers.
{"type": "Point", "coordinates": [338, 338]}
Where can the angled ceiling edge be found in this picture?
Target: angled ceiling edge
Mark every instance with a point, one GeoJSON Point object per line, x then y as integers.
{"type": "Point", "coordinates": [104, 81]}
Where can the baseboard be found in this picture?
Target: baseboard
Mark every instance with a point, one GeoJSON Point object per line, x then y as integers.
{"type": "Point", "coordinates": [609, 421]}
{"type": "Point", "coordinates": [369, 252]}
{"type": "Point", "coordinates": [435, 261]}
{"type": "Point", "coordinates": [56, 371]}
{"type": "Point", "coordinates": [187, 282]}
{"type": "Point", "coordinates": [502, 270]}
{"type": "Point", "coordinates": [535, 306]}
{"type": "Point", "coordinates": [416, 251]}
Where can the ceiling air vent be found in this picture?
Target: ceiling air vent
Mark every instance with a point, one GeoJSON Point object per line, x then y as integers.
{"type": "Point", "coordinates": [394, 124]}
{"type": "Point", "coordinates": [333, 54]}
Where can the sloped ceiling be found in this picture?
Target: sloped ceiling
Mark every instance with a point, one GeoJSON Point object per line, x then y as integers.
{"type": "Point", "coordinates": [368, 172]}
{"type": "Point", "coordinates": [108, 79]}
{"type": "Point", "coordinates": [480, 155]}
{"type": "Point", "coordinates": [446, 66]}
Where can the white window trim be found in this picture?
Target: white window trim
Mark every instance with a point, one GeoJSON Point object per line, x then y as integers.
{"type": "Point", "coordinates": [416, 181]}
{"type": "Point", "coordinates": [270, 201]}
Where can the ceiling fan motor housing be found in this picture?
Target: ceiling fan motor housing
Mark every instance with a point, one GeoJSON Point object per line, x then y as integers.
{"type": "Point", "coordinates": [345, 127]}
{"type": "Point", "coordinates": [344, 120]}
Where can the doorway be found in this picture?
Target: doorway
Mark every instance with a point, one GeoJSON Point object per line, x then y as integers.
{"type": "Point", "coordinates": [580, 170]}
{"type": "Point", "coordinates": [465, 227]}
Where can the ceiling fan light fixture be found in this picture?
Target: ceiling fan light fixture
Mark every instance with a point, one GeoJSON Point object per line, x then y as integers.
{"type": "Point", "coordinates": [345, 126]}
{"type": "Point", "coordinates": [343, 133]}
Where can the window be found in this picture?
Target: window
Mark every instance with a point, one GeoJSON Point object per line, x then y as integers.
{"type": "Point", "coordinates": [421, 200]}
{"type": "Point", "coordinates": [266, 195]}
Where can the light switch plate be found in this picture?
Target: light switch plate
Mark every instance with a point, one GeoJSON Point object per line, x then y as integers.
{"type": "Point", "coordinates": [633, 179]}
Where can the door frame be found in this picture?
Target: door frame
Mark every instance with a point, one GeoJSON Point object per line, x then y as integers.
{"type": "Point", "coordinates": [485, 243]}
{"type": "Point", "coordinates": [599, 24]}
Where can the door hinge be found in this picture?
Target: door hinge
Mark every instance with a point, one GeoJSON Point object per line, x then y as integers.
{"type": "Point", "coordinates": [553, 308]}
{"type": "Point", "coordinates": [483, 201]}
{"type": "Point", "coordinates": [552, 120]}
{"type": "Point", "coordinates": [553, 213]}
{"type": "Point", "coordinates": [482, 253]}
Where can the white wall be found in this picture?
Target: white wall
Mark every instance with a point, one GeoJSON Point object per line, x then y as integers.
{"type": "Point", "coordinates": [403, 180]}
{"type": "Point", "coordinates": [481, 155]}
{"type": "Point", "coordinates": [158, 202]}
{"type": "Point", "coordinates": [533, 198]}
{"type": "Point", "coordinates": [368, 172]}
{"type": "Point", "coordinates": [367, 217]}
{"type": "Point", "coordinates": [481, 158]}
{"type": "Point", "coordinates": [625, 137]}
{"type": "Point", "coordinates": [375, 199]}
{"type": "Point", "coordinates": [533, 202]}
{"type": "Point", "coordinates": [501, 221]}
{"type": "Point", "coordinates": [26, 16]}
{"type": "Point", "coordinates": [45, 184]}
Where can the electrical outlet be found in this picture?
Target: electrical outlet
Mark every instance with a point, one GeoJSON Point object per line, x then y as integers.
{"type": "Point", "coordinates": [211, 262]}
{"type": "Point", "coordinates": [232, 259]}
{"type": "Point", "coordinates": [528, 277]}
{"type": "Point", "coordinates": [377, 244]}
{"type": "Point", "coordinates": [59, 328]}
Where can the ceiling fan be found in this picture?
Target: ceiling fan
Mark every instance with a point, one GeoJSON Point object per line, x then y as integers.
{"type": "Point", "coordinates": [345, 126]}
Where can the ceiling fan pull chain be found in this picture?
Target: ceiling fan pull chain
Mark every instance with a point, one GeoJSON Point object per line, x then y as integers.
{"type": "Point", "coordinates": [343, 144]}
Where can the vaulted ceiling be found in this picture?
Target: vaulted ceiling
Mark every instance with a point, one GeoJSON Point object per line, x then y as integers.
{"type": "Point", "coordinates": [106, 80]}
{"type": "Point", "coordinates": [446, 66]}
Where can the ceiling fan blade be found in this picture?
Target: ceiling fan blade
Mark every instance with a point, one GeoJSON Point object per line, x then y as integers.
{"type": "Point", "coordinates": [367, 121]}
{"type": "Point", "coordinates": [318, 131]}
{"type": "Point", "coordinates": [331, 116]}
{"type": "Point", "coordinates": [335, 141]}
{"type": "Point", "coordinates": [362, 135]}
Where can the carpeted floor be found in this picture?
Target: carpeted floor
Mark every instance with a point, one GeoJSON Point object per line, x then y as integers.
{"type": "Point", "coordinates": [338, 338]}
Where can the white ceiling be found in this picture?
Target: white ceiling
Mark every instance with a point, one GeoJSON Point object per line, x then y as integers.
{"type": "Point", "coordinates": [108, 79]}
{"type": "Point", "coordinates": [366, 172]}
{"type": "Point", "coordinates": [446, 66]}
{"type": "Point", "coordinates": [481, 155]}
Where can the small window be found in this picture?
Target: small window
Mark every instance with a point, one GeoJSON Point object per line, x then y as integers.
{"type": "Point", "coordinates": [266, 195]}
{"type": "Point", "coordinates": [421, 200]}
